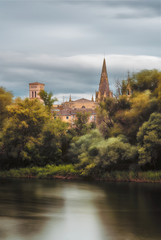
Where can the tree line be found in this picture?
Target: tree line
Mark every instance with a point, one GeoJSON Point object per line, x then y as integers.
{"type": "Point", "coordinates": [126, 136]}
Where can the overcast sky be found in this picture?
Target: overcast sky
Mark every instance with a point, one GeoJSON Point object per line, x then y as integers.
{"type": "Point", "coordinates": [63, 43]}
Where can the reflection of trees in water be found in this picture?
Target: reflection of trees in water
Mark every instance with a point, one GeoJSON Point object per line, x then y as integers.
{"type": "Point", "coordinates": [29, 203]}
{"type": "Point", "coordinates": [131, 211]}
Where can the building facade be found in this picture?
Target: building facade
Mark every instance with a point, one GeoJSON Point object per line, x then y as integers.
{"type": "Point", "coordinates": [80, 104]}
{"type": "Point", "coordinates": [68, 110]}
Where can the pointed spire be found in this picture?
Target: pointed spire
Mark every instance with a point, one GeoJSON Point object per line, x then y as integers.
{"type": "Point", "coordinates": [104, 70]}
{"type": "Point", "coordinates": [104, 90]}
{"type": "Point", "coordinates": [92, 99]}
{"type": "Point", "coordinates": [128, 88]}
{"type": "Point", "coordinates": [104, 84]}
{"type": "Point", "coordinates": [70, 98]}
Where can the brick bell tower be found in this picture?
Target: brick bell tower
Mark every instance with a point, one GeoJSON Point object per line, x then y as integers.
{"type": "Point", "coordinates": [104, 90]}
{"type": "Point", "coordinates": [34, 90]}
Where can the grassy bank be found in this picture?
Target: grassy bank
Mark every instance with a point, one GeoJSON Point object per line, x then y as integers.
{"type": "Point", "coordinates": [69, 172]}
{"type": "Point", "coordinates": [125, 176]}
{"type": "Point", "coordinates": [49, 171]}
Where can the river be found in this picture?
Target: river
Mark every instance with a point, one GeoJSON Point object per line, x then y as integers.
{"type": "Point", "coordinates": [74, 210]}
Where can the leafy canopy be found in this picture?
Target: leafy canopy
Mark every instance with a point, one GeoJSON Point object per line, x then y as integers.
{"type": "Point", "coordinates": [95, 155]}
{"type": "Point", "coordinates": [21, 132]}
{"type": "Point", "coordinates": [149, 142]}
{"type": "Point", "coordinates": [145, 80]}
{"type": "Point", "coordinates": [5, 100]}
{"type": "Point", "coordinates": [47, 99]}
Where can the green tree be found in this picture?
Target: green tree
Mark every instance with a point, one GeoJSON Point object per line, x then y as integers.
{"type": "Point", "coordinates": [81, 124]}
{"type": "Point", "coordinates": [95, 155]}
{"type": "Point", "coordinates": [52, 142]}
{"type": "Point", "coordinates": [105, 115]}
{"type": "Point", "coordinates": [145, 80]}
{"type": "Point", "coordinates": [149, 142]}
{"type": "Point", "coordinates": [5, 100]}
{"type": "Point", "coordinates": [142, 104]}
{"type": "Point", "coordinates": [21, 133]}
{"type": "Point", "coordinates": [81, 145]}
{"type": "Point", "coordinates": [47, 99]}
{"type": "Point", "coordinates": [157, 93]}
{"type": "Point", "coordinates": [123, 103]}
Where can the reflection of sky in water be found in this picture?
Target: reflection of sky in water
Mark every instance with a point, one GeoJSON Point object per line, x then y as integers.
{"type": "Point", "coordinates": [51, 210]}
{"type": "Point", "coordinates": [79, 217]}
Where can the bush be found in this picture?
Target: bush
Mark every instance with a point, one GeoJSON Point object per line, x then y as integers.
{"type": "Point", "coordinates": [149, 142]}
{"type": "Point", "coordinates": [94, 155]}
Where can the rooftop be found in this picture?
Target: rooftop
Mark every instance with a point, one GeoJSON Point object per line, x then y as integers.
{"type": "Point", "coordinates": [36, 83]}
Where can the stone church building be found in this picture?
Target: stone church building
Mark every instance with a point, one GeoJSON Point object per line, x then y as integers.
{"type": "Point", "coordinates": [67, 110]}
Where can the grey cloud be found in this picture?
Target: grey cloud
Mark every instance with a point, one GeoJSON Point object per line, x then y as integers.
{"type": "Point", "coordinates": [69, 29]}
{"type": "Point", "coordinates": [61, 43]}
{"type": "Point", "coordinates": [113, 3]}
{"type": "Point", "coordinates": [136, 4]}
{"type": "Point", "coordinates": [52, 26]}
{"type": "Point", "coordinates": [54, 11]}
{"type": "Point", "coordinates": [75, 75]}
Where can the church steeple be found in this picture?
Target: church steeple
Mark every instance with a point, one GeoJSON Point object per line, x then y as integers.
{"type": "Point", "coordinates": [104, 70]}
{"type": "Point", "coordinates": [104, 90]}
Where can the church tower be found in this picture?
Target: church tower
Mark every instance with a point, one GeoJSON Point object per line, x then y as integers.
{"type": "Point", "coordinates": [34, 90]}
{"type": "Point", "coordinates": [104, 90]}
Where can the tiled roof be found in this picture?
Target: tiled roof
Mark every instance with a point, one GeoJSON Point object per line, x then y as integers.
{"type": "Point", "coordinates": [70, 111]}
{"type": "Point", "coordinates": [82, 100]}
{"type": "Point", "coordinates": [36, 83]}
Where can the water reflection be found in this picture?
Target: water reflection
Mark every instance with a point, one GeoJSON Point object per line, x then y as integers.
{"type": "Point", "coordinates": [133, 211]}
{"type": "Point", "coordinates": [49, 209]}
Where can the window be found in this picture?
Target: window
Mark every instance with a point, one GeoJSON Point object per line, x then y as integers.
{"type": "Point", "coordinates": [67, 117]}
{"type": "Point", "coordinates": [83, 107]}
{"type": "Point", "coordinates": [35, 94]}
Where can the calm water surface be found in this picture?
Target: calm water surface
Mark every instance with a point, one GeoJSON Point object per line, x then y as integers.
{"type": "Point", "coordinates": [64, 210]}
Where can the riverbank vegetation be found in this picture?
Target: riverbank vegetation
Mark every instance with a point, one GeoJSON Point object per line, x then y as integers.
{"type": "Point", "coordinates": [70, 172]}
{"type": "Point", "coordinates": [123, 144]}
